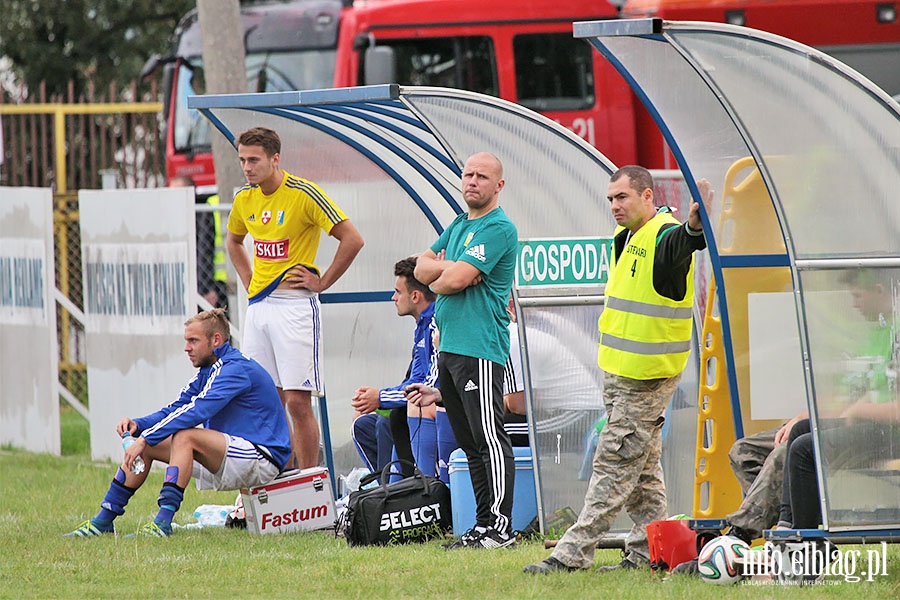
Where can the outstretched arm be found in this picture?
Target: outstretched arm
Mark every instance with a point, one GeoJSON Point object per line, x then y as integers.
{"type": "Point", "coordinates": [706, 195]}
{"type": "Point", "coordinates": [419, 394]}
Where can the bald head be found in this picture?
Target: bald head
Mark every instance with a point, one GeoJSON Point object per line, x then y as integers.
{"type": "Point", "coordinates": [482, 180]}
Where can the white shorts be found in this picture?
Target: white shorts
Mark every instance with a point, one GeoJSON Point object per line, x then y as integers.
{"type": "Point", "coordinates": [244, 467]}
{"type": "Point", "coordinates": [283, 333]}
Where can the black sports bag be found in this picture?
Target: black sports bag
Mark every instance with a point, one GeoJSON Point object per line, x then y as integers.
{"type": "Point", "coordinates": [414, 509]}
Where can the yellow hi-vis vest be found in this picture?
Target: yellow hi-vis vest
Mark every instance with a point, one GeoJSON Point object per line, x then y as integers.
{"type": "Point", "coordinates": [219, 268]}
{"type": "Point", "coordinates": [644, 335]}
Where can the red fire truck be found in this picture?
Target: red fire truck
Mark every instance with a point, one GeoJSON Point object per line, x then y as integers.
{"type": "Point", "coordinates": [519, 50]}
{"type": "Point", "coordinates": [864, 34]}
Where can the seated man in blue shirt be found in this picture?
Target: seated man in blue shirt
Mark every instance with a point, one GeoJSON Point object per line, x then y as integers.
{"type": "Point", "coordinates": [428, 429]}
{"type": "Point", "coordinates": [244, 441]}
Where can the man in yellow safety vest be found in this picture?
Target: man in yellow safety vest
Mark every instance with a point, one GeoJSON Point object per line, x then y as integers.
{"type": "Point", "coordinates": [645, 339]}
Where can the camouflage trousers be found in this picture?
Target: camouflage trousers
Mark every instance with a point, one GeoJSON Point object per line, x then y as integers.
{"type": "Point", "coordinates": [627, 474]}
{"type": "Point", "coordinates": [758, 465]}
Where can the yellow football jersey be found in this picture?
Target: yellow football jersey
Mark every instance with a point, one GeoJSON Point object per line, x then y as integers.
{"type": "Point", "coordinates": [285, 226]}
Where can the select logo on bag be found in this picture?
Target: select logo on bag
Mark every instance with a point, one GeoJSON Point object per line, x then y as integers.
{"type": "Point", "coordinates": [413, 523]}
{"type": "Point", "coordinates": [414, 509]}
{"type": "Point", "coordinates": [297, 515]}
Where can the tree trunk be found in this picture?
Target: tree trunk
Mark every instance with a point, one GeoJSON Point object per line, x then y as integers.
{"type": "Point", "coordinates": [223, 63]}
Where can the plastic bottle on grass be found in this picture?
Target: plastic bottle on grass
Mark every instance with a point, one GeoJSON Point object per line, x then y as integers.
{"type": "Point", "coordinates": [211, 515]}
{"type": "Point", "coordinates": [138, 467]}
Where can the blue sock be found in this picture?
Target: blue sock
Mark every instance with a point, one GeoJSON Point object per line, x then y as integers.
{"type": "Point", "coordinates": [423, 438]}
{"type": "Point", "coordinates": [396, 475]}
{"type": "Point", "coordinates": [114, 502]}
{"type": "Point", "coordinates": [170, 497]}
{"type": "Point", "coordinates": [446, 444]}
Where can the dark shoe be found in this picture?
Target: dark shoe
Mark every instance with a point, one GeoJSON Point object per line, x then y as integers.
{"type": "Point", "coordinates": [464, 540]}
{"type": "Point", "coordinates": [688, 567]}
{"type": "Point", "coordinates": [237, 518]}
{"type": "Point", "coordinates": [625, 564]}
{"type": "Point", "coordinates": [488, 538]}
{"type": "Point", "coordinates": [547, 566]}
{"type": "Point", "coordinates": [741, 534]}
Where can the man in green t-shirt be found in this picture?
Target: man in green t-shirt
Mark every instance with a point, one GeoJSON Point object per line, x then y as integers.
{"type": "Point", "coordinates": [471, 268]}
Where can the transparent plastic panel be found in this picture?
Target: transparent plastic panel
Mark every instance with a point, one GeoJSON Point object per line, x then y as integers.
{"type": "Point", "coordinates": [365, 344]}
{"type": "Point", "coordinates": [854, 317]}
{"type": "Point", "coordinates": [829, 143]}
{"type": "Point", "coordinates": [363, 190]}
{"type": "Point", "coordinates": [569, 411]}
{"type": "Point", "coordinates": [555, 189]}
{"type": "Point", "coordinates": [744, 218]}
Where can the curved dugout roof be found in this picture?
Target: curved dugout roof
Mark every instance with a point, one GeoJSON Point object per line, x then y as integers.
{"type": "Point", "coordinates": [405, 146]}
{"type": "Point", "coordinates": [804, 154]}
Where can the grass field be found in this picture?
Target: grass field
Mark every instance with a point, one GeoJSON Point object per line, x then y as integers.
{"type": "Point", "coordinates": [45, 496]}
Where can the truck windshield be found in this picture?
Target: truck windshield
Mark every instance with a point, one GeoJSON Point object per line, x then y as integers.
{"type": "Point", "coordinates": [266, 72]}
{"type": "Point", "coordinates": [554, 71]}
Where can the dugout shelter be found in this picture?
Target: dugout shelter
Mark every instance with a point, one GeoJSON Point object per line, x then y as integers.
{"type": "Point", "coordinates": [391, 158]}
{"type": "Point", "coordinates": [805, 256]}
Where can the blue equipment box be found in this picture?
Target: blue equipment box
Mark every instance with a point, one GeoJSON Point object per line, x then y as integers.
{"type": "Point", "coordinates": [462, 498]}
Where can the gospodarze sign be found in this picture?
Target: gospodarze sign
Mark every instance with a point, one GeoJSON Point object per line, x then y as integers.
{"type": "Point", "coordinates": [563, 262]}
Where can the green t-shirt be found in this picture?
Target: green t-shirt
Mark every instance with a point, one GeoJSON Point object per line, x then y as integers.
{"type": "Point", "coordinates": [871, 372]}
{"type": "Point", "coordinates": [473, 321]}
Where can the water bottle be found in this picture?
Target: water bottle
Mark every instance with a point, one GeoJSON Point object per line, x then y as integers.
{"type": "Point", "coordinates": [212, 515]}
{"type": "Point", "coordinates": [138, 466]}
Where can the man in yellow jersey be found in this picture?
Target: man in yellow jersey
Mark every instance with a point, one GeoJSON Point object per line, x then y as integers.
{"type": "Point", "coordinates": [645, 339]}
{"type": "Point", "coordinates": [284, 215]}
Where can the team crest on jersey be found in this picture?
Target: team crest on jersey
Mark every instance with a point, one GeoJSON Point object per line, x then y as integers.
{"type": "Point", "coordinates": [280, 219]}
{"type": "Point", "coordinates": [469, 238]}
{"type": "Point", "coordinates": [266, 217]}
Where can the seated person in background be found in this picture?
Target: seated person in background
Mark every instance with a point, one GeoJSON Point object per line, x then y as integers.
{"type": "Point", "coordinates": [514, 419]}
{"type": "Point", "coordinates": [759, 460]}
{"type": "Point", "coordinates": [865, 437]}
{"type": "Point", "coordinates": [244, 441]}
{"type": "Point", "coordinates": [414, 299]}
{"type": "Point", "coordinates": [864, 433]}
{"type": "Point", "coordinates": [758, 463]}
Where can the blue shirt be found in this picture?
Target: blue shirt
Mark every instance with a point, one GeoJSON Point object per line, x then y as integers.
{"type": "Point", "coordinates": [424, 367]}
{"type": "Point", "coordinates": [236, 396]}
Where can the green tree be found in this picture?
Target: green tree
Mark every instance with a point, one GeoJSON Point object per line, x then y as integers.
{"type": "Point", "coordinates": [57, 41]}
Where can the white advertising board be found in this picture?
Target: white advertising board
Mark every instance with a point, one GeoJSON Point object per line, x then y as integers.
{"type": "Point", "coordinates": [139, 261]}
{"type": "Point", "coordinates": [29, 404]}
